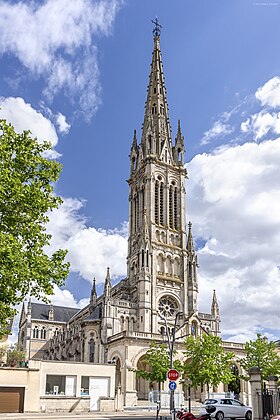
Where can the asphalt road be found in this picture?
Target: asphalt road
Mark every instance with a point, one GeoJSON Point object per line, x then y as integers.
{"type": "Point", "coordinates": [85, 416]}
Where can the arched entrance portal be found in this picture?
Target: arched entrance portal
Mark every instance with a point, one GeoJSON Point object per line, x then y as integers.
{"type": "Point", "coordinates": [118, 378]}
{"type": "Point", "coordinates": [234, 385]}
{"type": "Point", "coordinates": [143, 386]}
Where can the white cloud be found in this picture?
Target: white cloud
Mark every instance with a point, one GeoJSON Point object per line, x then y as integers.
{"type": "Point", "coordinates": [269, 93]}
{"type": "Point", "coordinates": [234, 204]}
{"type": "Point", "coordinates": [54, 40]}
{"type": "Point", "coordinates": [63, 125]}
{"type": "Point", "coordinates": [261, 123]}
{"type": "Point", "coordinates": [23, 117]}
{"type": "Point", "coordinates": [218, 129]}
{"type": "Point", "coordinates": [66, 298]}
{"type": "Point", "coordinates": [90, 250]}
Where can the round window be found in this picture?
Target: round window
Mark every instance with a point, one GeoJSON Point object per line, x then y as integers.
{"type": "Point", "coordinates": [167, 306]}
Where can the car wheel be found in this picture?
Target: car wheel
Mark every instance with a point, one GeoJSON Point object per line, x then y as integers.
{"type": "Point", "coordinates": [248, 415]}
{"type": "Point", "coordinates": [220, 415]}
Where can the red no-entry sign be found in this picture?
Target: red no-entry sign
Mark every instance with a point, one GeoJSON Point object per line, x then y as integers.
{"type": "Point", "coordinates": [173, 375]}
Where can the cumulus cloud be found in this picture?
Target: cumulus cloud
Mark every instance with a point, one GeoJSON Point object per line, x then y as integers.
{"type": "Point", "coordinates": [23, 117]}
{"type": "Point", "coordinates": [63, 125]}
{"type": "Point", "coordinates": [261, 123]}
{"type": "Point", "coordinates": [55, 41]}
{"type": "Point", "coordinates": [90, 250]}
{"type": "Point", "coordinates": [218, 129]}
{"type": "Point", "coordinates": [269, 93]}
{"type": "Point", "coordinates": [234, 204]}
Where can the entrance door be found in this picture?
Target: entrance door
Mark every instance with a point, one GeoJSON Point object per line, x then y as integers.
{"type": "Point", "coordinates": [70, 386]}
{"type": "Point", "coordinates": [98, 387]}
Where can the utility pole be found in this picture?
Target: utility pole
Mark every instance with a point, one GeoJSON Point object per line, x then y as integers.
{"type": "Point", "coordinates": [171, 340]}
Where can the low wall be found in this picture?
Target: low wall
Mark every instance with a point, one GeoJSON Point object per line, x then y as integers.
{"type": "Point", "coordinates": [107, 404]}
{"type": "Point", "coordinates": [64, 404]}
{"type": "Point", "coordinates": [29, 379]}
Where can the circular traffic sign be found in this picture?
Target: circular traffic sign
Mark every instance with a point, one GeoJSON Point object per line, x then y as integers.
{"type": "Point", "coordinates": [173, 375]}
{"type": "Point", "coordinates": [172, 386]}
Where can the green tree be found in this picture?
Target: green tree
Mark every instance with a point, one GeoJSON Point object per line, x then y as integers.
{"type": "Point", "coordinates": [262, 354]}
{"type": "Point", "coordinates": [158, 361]}
{"type": "Point", "coordinates": [206, 361]}
{"type": "Point", "coordinates": [26, 196]}
{"type": "Point", "coordinates": [15, 356]}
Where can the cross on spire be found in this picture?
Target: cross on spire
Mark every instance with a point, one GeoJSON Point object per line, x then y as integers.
{"type": "Point", "coordinates": [157, 28]}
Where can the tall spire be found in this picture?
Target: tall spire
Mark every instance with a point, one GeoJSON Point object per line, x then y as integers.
{"type": "Point", "coordinates": [215, 311]}
{"type": "Point", "coordinates": [179, 147]}
{"type": "Point", "coordinates": [107, 285]}
{"type": "Point", "coordinates": [190, 245]}
{"type": "Point", "coordinates": [93, 294]}
{"type": "Point", "coordinates": [156, 134]}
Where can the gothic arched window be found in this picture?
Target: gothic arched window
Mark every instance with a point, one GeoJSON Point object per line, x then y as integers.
{"type": "Point", "coordinates": [91, 350]}
{"type": "Point", "coordinates": [36, 332]}
{"type": "Point", "coordinates": [161, 204]}
{"type": "Point", "coordinates": [194, 329]}
{"type": "Point", "coordinates": [171, 207]}
{"type": "Point", "coordinates": [175, 216]}
{"type": "Point", "coordinates": [43, 333]}
{"type": "Point", "coordinates": [156, 202]}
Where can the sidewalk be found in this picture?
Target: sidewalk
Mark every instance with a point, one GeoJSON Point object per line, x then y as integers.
{"type": "Point", "coordinates": [77, 416]}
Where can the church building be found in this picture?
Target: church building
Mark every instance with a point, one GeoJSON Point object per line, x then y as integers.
{"type": "Point", "coordinates": [162, 280]}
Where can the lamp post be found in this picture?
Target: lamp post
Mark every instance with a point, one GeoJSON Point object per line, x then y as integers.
{"type": "Point", "coordinates": [171, 341]}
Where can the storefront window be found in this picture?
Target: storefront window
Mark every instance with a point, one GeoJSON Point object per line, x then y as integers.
{"type": "Point", "coordinates": [85, 385]}
{"type": "Point", "coordinates": [61, 385]}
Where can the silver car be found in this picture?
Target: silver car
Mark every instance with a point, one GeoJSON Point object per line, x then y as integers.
{"type": "Point", "coordinates": [227, 407]}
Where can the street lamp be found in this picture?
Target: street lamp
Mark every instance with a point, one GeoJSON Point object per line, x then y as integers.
{"type": "Point", "coordinates": [171, 341]}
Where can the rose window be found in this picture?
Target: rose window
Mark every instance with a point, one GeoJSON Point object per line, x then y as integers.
{"type": "Point", "coordinates": [167, 307]}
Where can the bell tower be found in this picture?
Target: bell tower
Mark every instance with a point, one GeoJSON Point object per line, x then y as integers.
{"type": "Point", "coordinates": [161, 262]}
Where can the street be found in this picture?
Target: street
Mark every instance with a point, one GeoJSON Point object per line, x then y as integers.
{"type": "Point", "coordinates": [85, 416]}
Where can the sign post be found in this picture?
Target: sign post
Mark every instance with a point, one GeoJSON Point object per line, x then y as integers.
{"type": "Point", "coordinates": [173, 374]}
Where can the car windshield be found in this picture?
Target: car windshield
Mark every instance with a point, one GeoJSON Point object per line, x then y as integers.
{"type": "Point", "coordinates": [209, 401]}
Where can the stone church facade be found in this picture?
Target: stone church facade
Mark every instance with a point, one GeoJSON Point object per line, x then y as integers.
{"type": "Point", "coordinates": [162, 278]}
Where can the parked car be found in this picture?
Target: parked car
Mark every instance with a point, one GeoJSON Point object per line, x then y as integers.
{"type": "Point", "coordinates": [227, 407]}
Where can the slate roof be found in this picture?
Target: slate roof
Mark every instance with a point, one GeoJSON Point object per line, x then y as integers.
{"type": "Point", "coordinates": [40, 311]}
{"type": "Point", "coordinates": [95, 315]}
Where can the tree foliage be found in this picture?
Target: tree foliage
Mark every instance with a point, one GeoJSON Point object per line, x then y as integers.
{"type": "Point", "coordinates": [26, 196]}
{"type": "Point", "coordinates": [158, 360]}
{"type": "Point", "coordinates": [262, 354]}
{"type": "Point", "coordinates": [206, 361]}
{"type": "Point", "coordinates": [12, 355]}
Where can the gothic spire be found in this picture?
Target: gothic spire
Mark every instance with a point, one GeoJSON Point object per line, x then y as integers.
{"type": "Point", "coordinates": [179, 147]}
{"type": "Point", "coordinates": [156, 134]}
{"type": "Point", "coordinates": [215, 311]}
{"type": "Point", "coordinates": [134, 141]}
{"type": "Point", "coordinates": [190, 245]}
{"type": "Point", "coordinates": [93, 294]}
{"type": "Point", "coordinates": [107, 285]}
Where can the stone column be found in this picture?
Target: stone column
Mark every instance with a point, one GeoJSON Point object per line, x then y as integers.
{"type": "Point", "coordinates": [255, 381]}
{"type": "Point", "coordinates": [272, 383]}
{"type": "Point", "coordinates": [273, 388]}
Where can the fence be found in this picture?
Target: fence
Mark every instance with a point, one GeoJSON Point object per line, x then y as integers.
{"type": "Point", "coordinates": [268, 402]}
{"type": "Point", "coordinates": [164, 397]}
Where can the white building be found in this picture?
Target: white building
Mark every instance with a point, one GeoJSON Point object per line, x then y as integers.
{"type": "Point", "coordinates": [162, 265]}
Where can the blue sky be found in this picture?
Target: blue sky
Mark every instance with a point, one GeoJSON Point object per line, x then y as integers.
{"type": "Point", "coordinates": [76, 72]}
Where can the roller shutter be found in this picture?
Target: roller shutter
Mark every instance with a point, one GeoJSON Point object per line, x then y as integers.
{"type": "Point", "coordinates": [11, 399]}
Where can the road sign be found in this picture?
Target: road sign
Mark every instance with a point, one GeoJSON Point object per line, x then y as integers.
{"type": "Point", "coordinates": [172, 386]}
{"type": "Point", "coordinates": [173, 375]}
